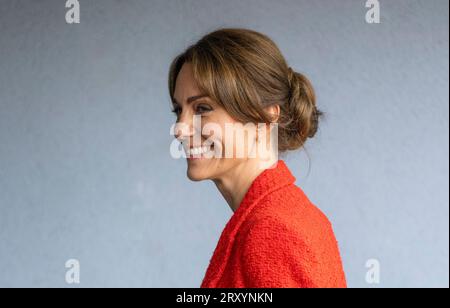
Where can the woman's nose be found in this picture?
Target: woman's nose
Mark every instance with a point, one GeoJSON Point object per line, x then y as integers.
{"type": "Point", "coordinates": [184, 127]}
{"type": "Point", "coordinates": [182, 131]}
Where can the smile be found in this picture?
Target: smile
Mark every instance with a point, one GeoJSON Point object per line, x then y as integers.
{"type": "Point", "coordinates": [198, 152]}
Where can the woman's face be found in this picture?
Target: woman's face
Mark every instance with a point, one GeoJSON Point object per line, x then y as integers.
{"type": "Point", "coordinates": [205, 161]}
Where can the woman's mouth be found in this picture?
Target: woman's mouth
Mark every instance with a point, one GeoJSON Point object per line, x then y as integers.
{"type": "Point", "coordinates": [200, 152]}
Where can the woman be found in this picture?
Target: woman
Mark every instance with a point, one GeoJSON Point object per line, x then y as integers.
{"type": "Point", "coordinates": [276, 236]}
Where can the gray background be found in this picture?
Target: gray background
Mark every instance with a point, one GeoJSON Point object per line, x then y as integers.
{"type": "Point", "coordinates": [85, 170]}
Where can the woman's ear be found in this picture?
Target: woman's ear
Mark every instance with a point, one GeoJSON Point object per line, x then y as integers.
{"type": "Point", "coordinates": [274, 112]}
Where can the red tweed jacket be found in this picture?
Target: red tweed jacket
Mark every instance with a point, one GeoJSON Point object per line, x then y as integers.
{"type": "Point", "coordinates": [276, 239]}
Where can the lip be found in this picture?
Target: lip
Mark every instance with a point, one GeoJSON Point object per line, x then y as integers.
{"type": "Point", "coordinates": [196, 157]}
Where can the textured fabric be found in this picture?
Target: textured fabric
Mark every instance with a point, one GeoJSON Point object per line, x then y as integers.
{"type": "Point", "coordinates": [276, 238]}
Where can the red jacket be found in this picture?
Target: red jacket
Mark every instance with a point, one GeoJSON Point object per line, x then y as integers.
{"type": "Point", "coordinates": [276, 239]}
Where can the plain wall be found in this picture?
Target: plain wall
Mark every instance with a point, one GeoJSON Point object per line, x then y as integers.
{"type": "Point", "coordinates": [85, 170]}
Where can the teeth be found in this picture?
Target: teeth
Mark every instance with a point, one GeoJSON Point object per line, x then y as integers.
{"type": "Point", "coordinates": [197, 150]}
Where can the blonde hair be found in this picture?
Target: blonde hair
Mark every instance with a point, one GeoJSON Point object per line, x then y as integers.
{"type": "Point", "coordinates": [245, 72]}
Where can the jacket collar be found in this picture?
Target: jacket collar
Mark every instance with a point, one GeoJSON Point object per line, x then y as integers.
{"type": "Point", "coordinates": [268, 181]}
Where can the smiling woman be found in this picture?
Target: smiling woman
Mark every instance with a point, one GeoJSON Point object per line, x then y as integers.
{"type": "Point", "coordinates": [276, 236]}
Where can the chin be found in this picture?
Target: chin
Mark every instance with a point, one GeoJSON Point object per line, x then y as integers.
{"type": "Point", "coordinates": [196, 174]}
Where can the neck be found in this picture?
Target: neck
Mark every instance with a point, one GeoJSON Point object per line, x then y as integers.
{"type": "Point", "coordinates": [236, 182]}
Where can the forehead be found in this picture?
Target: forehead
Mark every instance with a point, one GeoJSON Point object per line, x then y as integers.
{"type": "Point", "coordinates": [185, 85]}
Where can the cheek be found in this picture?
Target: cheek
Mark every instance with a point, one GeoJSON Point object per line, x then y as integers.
{"type": "Point", "coordinates": [237, 141]}
{"type": "Point", "coordinates": [213, 130]}
{"type": "Point", "coordinates": [228, 136]}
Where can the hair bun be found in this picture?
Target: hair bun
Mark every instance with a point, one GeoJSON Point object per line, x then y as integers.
{"type": "Point", "coordinates": [302, 115]}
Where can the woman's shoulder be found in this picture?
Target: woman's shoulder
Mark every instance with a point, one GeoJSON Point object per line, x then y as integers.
{"type": "Point", "coordinates": [290, 240]}
{"type": "Point", "coordinates": [290, 207]}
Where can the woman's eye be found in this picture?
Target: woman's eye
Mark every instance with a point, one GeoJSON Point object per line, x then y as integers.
{"type": "Point", "coordinates": [202, 109]}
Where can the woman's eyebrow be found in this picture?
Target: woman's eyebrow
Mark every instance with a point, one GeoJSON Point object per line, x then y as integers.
{"type": "Point", "coordinates": [192, 98]}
